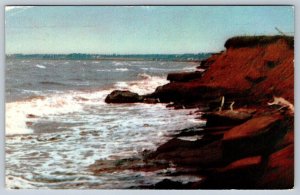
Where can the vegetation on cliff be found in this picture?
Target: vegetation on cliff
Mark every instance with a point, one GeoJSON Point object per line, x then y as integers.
{"type": "Point", "coordinates": [253, 41]}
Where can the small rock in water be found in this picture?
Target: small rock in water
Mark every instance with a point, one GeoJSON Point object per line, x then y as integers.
{"type": "Point", "coordinates": [118, 96]}
{"type": "Point", "coordinates": [29, 123]}
{"type": "Point", "coordinates": [151, 100]}
{"type": "Point", "coordinates": [31, 116]}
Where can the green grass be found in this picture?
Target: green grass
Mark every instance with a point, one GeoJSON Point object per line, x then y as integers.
{"type": "Point", "coordinates": [252, 41]}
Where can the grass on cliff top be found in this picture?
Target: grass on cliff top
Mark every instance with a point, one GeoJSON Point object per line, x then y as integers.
{"type": "Point", "coordinates": [252, 41]}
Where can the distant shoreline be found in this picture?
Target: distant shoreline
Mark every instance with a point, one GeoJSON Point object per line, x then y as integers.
{"type": "Point", "coordinates": [115, 57]}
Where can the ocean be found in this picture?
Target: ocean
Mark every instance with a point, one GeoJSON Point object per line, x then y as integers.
{"type": "Point", "coordinates": [57, 123]}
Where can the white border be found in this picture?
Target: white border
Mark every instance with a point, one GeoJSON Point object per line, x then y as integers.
{"type": "Point", "coordinates": [146, 2]}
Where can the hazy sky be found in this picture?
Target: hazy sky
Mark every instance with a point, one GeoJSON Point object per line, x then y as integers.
{"type": "Point", "coordinates": [138, 29]}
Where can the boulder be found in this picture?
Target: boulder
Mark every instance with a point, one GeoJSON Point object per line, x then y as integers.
{"type": "Point", "coordinates": [184, 76]}
{"type": "Point", "coordinates": [118, 96]}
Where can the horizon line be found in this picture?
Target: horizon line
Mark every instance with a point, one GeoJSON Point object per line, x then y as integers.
{"type": "Point", "coordinates": [108, 53]}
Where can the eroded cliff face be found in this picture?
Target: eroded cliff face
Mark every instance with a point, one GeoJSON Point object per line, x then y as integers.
{"type": "Point", "coordinates": [248, 146]}
{"type": "Point", "coordinates": [264, 70]}
{"type": "Point", "coordinates": [252, 71]}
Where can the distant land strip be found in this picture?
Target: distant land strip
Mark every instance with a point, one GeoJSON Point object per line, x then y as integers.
{"type": "Point", "coordinates": [121, 57]}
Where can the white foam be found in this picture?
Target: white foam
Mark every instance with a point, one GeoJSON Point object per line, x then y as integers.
{"type": "Point", "coordinates": [72, 101]}
{"type": "Point", "coordinates": [16, 112]}
{"type": "Point", "coordinates": [121, 85]}
{"type": "Point", "coordinates": [121, 131]}
{"type": "Point", "coordinates": [103, 70]}
{"type": "Point", "coordinates": [40, 66]}
{"type": "Point", "coordinates": [147, 85]}
{"type": "Point", "coordinates": [116, 63]}
{"type": "Point", "coordinates": [152, 68]}
{"type": "Point", "coordinates": [189, 68]}
{"type": "Point", "coordinates": [190, 138]}
{"type": "Point", "coordinates": [13, 182]}
{"type": "Point", "coordinates": [122, 69]}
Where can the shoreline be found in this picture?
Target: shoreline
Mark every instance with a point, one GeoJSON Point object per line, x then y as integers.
{"type": "Point", "coordinates": [115, 59]}
{"type": "Point", "coordinates": [248, 140]}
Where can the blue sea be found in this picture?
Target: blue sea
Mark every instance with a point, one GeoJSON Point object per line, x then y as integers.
{"type": "Point", "coordinates": [57, 123]}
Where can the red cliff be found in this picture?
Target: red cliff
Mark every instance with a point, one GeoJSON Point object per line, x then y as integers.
{"type": "Point", "coordinates": [251, 68]}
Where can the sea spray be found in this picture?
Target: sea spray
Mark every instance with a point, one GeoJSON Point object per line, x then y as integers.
{"type": "Point", "coordinates": [54, 132]}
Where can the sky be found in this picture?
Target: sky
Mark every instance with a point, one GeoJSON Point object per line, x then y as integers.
{"type": "Point", "coordinates": [137, 29]}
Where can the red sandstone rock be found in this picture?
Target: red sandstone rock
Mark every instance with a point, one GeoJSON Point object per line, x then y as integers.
{"type": "Point", "coordinates": [259, 152]}
{"type": "Point", "coordinates": [250, 74]}
{"type": "Point", "coordinates": [252, 128]}
{"type": "Point", "coordinates": [241, 174]}
{"type": "Point", "coordinates": [244, 163]}
{"type": "Point", "coordinates": [258, 136]}
{"type": "Point", "coordinates": [279, 173]}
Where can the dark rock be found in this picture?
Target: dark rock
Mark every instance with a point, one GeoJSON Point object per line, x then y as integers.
{"type": "Point", "coordinates": [206, 63]}
{"type": "Point", "coordinates": [256, 79]}
{"type": "Point", "coordinates": [227, 117]}
{"type": "Point", "coordinates": [252, 128]}
{"type": "Point", "coordinates": [184, 76]}
{"type": "Point", "coordinates": [217, 131]}
{"type": "Point", "coordinates": [118, 96]}
{"type": "Point", "coordinates": [136, 164]}
{"type": "Point", "coordinates": [279, 171]}
{"type": "Point", "coordinates": [257, 136]}
{"type": "Point", "coordinates": [151, 100]}
{"type": "Point", "coordinates": [193, 92]}
{"type": "Point", "coordinates": [29, 124]}
{"type": "Point", "coordinates": [176, 106]}
{"type": "Point", "coordinates": [169, 184]}
{"type": "Point", "coordinates": [270, 63]}
{"type": "Point", "coordinates": [191, 153]}
{"type": "Point", "coordinates": [253, 161]}
{"type": "Point", "coordinates": [31, 116]}
{"type": "Point", "coordinates": [215, 104]}
{"type": "Point", "coordinates": [241, 174]}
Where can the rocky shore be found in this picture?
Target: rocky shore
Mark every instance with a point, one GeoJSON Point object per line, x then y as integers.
{"type": "Point", "coordinates": [246, 96]}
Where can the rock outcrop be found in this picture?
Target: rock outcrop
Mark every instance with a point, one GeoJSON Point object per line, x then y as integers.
{"type": "Point", "coordinates": [118, 96]}
{"type": "Point", "coordinates": [245, 73]}
{"type": "Point", "coordinates": [248, 146]}
{"type": "Point", "coordinates": [184, 76]}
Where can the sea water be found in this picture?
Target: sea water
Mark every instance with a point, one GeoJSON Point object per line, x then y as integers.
{"type": "Point", "coordinates": [57, 123]}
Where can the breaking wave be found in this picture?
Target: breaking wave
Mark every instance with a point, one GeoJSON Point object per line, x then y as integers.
{"type": "Point", "coordinates": [68, 102]}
